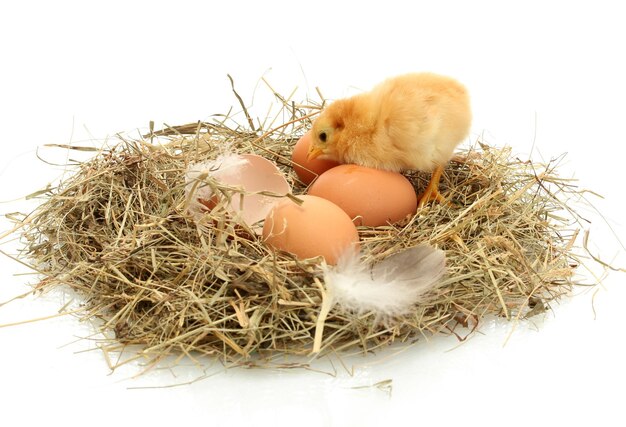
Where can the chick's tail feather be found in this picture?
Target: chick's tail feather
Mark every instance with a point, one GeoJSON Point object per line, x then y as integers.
{"type": "Point", "coordinates": [390, 288]}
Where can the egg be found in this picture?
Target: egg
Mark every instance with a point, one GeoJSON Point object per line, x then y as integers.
{"type": "Point", "coordinates": [371, 197]}
{"type": "Point", "coordinates": [317, 227]}
{"type": "Point", "coordinates": [308, 170]}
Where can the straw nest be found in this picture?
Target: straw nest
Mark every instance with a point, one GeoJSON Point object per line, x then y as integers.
{"type": "Point", "coordinates": [118, 233]}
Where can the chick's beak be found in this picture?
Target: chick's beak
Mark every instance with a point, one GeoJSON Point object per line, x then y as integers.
{"type": "Point", "coordinates": [314, 152]}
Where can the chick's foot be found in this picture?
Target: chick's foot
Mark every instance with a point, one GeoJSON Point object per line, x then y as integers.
{"type": "Point", "coordinates": [431, 193]}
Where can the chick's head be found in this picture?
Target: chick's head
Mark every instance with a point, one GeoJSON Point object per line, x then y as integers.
{"type": "Point", "coordinates": [326, 133]}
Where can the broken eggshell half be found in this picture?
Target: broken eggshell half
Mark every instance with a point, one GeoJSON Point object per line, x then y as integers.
{"type": "Point", "coordinates": [249, 173]}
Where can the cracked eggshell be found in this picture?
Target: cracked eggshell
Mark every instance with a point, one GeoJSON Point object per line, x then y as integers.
{"type": "Point", "coordinates": [253, 174]}
{"type": "Point", "coordinates": [316, 227]}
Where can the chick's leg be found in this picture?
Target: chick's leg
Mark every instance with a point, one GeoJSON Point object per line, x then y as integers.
{"type": "Point", "coordinates": [431, 193]}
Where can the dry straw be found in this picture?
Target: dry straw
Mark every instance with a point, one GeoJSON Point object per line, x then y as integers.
{"type": "Point", "coordinates": [117, 232]}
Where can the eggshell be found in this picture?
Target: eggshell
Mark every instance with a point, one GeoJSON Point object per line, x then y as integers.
{"type": "Point", "coordinates": [371, 197]}
{"type": "Point", "coordinates": [316, 227]}
{"type": "Point", "coordinates": [253, 174]}
{"type": "Point", "coordinates": [308, 170]}
{"type": "Point", "coordinates": [258, 175]}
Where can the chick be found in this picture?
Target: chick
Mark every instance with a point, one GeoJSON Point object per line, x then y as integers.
{"type": "Point", "coordinates": [410, 122]}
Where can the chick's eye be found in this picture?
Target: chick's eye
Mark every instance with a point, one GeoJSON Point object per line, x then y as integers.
{"type": "Point", "coordinates": [323, 136]}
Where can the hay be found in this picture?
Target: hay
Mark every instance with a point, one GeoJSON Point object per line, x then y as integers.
{"type": "Point", "coordinates": [118, 233]}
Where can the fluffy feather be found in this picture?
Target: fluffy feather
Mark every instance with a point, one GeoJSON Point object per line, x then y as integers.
{"type": "Point", "coordinates": [390, 288]}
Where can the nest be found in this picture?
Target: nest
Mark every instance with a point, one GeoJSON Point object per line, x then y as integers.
{"type": "Point", "coordinates": [118, 233]}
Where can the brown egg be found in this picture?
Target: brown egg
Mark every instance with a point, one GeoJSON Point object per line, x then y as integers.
{"type": "Point", "coordinates": [308, 170]}
{"type": "Point", "coordinates": [371, 197]}
{"type": "Point", "coordinates": [316, 227]}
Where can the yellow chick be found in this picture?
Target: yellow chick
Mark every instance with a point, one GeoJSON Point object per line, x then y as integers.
{"type": "Point", "coordinates": [410, 122]}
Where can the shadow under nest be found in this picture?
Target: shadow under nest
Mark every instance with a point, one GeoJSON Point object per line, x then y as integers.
{"type": "Point", "coordinates": [117, 232]}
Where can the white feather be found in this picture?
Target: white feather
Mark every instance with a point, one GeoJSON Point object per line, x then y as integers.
{"type": "Point", "coordinates": [390, 288]}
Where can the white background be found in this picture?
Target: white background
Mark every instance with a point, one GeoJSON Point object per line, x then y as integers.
{"type": "Point", "coordinates": [548, 75]}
